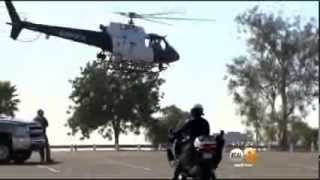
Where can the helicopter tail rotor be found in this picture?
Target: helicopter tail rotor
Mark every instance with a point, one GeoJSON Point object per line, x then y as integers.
{"type": "Point", "coordinates": [15, 20]}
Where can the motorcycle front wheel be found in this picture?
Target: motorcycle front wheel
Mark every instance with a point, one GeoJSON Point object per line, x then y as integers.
{"type": "Point", "coordinates": [205, 174]}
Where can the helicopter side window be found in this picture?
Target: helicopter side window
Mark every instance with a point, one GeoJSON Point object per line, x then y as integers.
{"type": "Point", "coordinates": [156, 44]}
{"type": "Point", "coordinates": [163, 45]}
{"type": "Point", "coordinates": [159, 44]}
{"type": "Point", "coordinates": [147, 42]}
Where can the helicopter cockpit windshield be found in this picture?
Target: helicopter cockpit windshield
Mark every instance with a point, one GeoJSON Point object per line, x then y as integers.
{"type": "Point", "coordinates": [156, 42]}
{"type": "Point", "coordinates": [162, 51]}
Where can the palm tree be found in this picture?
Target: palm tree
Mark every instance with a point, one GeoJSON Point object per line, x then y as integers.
{"type": "Point", "coordinates": [8, 100]}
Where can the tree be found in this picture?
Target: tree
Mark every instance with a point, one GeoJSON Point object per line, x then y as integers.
{"type": "Point", "coordinates": [249, 136]}
{"type": "Point", "coordinates": [8, 100]}
{"type": "Point", "coordinates": [282, 68]}
{"type": "Point", "coordinates": [314, 138]}
{"type": "Point", "coordinates": [171, 117]}
{"type": "Point", "coordinates": [301, 132]}
{"type": "Point", "coordinates": [113, 101]}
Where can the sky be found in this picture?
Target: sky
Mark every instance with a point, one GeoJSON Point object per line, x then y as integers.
{"type": "Point", "coordinates": [41, 69]}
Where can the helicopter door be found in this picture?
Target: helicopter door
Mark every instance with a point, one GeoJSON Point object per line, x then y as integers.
{"type": "Point", "coordinates": [159, 49]}
{"type": "Point", "coordinates": [133, 50]}
{"type": "Point", "coordinates": [139, 51]}
{"type": "Point", "coordinates": [129, 43]}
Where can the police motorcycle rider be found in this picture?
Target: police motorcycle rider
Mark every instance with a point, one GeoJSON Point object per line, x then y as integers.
{"type": "Point", "coordinates": [193, 128]}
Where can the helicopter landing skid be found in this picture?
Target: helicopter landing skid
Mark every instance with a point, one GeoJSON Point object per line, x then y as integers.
{"type": "Point", "coordinates": [116, 63]}
{"type": "Point", "coordinates": [141, 67]}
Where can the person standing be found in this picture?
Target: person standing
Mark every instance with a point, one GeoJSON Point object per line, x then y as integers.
{"type": "Point", "coordinates": [44, 123]}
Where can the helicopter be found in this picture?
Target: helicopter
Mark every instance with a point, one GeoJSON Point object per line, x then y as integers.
{"type": "Point", "coordinates": [119, 42]}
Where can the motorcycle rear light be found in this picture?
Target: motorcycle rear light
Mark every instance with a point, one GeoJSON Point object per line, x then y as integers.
{"type": "Point", "coordinates": [208, 147]}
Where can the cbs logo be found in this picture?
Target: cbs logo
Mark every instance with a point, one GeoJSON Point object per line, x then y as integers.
{"type": "Point", "coordinates": [249, 155]}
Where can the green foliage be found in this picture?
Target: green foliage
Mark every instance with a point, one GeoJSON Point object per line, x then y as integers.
{"type": "Point", "coordinates": [302, 133]}
{"type": "Point", "coordinates": [171, 117]}
{"type": "Point", "coordinates": [249, 135]}
{"type": "Point", "coordinates": [281, 68]}
{"type": "Point", "coordinates": [314, 138]}
{"type": "Point", "coordinates": [113, 101]}
{"type": "Point", "coordinates": [8, 100]}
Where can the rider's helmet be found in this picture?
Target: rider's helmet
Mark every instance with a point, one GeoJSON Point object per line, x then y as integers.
{"type": "Point", "coordinates": [196, 110]}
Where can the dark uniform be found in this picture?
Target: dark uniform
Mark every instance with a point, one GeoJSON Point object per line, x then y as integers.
{"type": "Point", "coordinates": [44, 123]}
{"type": "Point", "coordinates": [195, 127]}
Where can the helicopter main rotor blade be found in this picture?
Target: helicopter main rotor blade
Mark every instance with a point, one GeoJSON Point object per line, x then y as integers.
{"type": "Point", "coordinates": [159, 22]}
{"type": "Point", "coordinates": [129, 14]}
{"type": "Point", "coordinates": [162, 13]}
{"type": "Point", "coordinates": [121, 13]}
{"type": "Point", "coordinates": [184, 19]}
{"type": "Point", "coordinates": [152, 16]}
{"type": "Point", "coordinates": [138, 15]}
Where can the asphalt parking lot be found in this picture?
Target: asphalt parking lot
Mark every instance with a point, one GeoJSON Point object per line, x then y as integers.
{"type": "Point", "coordinates": [153, 164]}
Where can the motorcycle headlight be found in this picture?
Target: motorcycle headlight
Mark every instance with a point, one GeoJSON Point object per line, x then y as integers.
{"type": "Point", "coordinates": [22, 131]}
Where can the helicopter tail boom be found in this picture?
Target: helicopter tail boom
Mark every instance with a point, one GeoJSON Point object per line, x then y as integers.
{"type": "Point", "coordinates": [15, 20]}
{"type": "Point", "coordinates": [99, 39]}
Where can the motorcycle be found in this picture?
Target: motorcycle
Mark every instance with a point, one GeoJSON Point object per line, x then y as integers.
{"type": "Point", "coordinates": [198, 158]}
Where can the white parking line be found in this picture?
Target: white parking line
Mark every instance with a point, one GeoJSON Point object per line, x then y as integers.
{"type": "Point", "coordinates": [302, 166]}
{"type": "Point", "coordinates": [49, 168]}
{"type": "Point", "coordinates": [129, 165]}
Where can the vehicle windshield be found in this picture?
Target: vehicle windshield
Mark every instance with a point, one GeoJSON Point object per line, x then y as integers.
{"type": "Point", "coordinates": [156, 42]}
